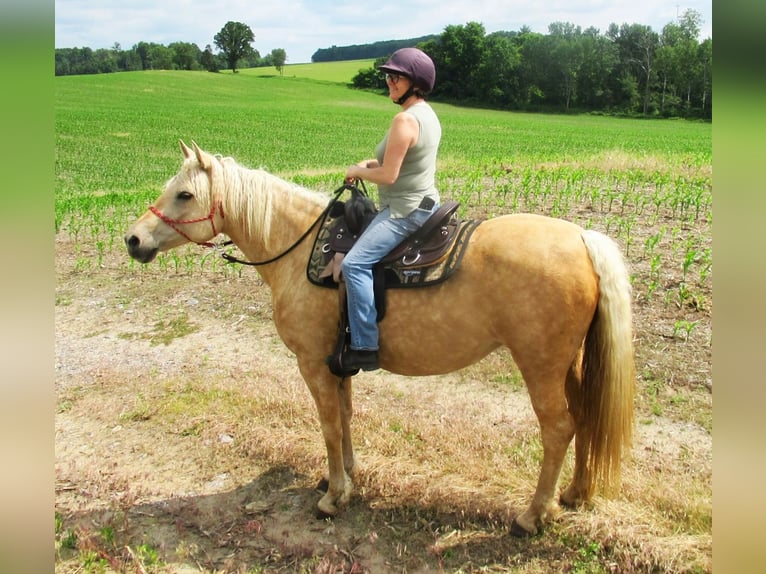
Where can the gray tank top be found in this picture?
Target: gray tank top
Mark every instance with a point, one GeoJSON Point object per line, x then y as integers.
{"type": "Point", "coordinates": [417, 175]}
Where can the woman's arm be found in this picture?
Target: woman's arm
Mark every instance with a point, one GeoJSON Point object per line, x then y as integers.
{"type": "Point", "coordinates": [403, 134]}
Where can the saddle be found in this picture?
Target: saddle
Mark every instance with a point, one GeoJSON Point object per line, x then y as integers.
{"type": "Point", "coordinates": [429, 256]}
{"type": "Point", "coordinates": [421, 248]}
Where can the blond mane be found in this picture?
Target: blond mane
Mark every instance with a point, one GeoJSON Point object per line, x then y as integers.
{"type": "Point", "coordinates": [249, 195]}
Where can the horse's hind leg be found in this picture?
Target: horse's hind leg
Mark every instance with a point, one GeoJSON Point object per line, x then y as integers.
{"type": "Point", "coordinates": [579, 490]}
{"type": "Point", "coordinates": [557, 429]}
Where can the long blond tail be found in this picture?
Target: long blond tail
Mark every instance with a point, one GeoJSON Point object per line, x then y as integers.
{"type": "Point", "coordinates": [608, 383]}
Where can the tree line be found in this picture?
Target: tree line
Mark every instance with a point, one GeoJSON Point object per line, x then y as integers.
{"type": "Point", "coordinates": [630, 69]}
{"type": "Point", "coordinates": [233, 42]}
{"type": "Point", "coordinates": [366, 51]}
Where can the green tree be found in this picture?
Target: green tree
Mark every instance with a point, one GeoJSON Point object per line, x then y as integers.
{"type": "Point", "coordinates": [209, 60]}
{"type": "Point", "coordinates": [566, 49]}
{"type": "Point", "coordinates": [458, 54]}
{"type": "Point", "coordinates": [600, 56]}
{"type": "Point", "coordinates": [638, 46]}
{"type": "Point", "coordinates": [688, 55]}
{"type": "Point", "coordinates": [142, 49]}
{"type": "Point", "coordinates": [705, 79]}
{"type": "Point", "coordinates": [371, 78]}
{"type": "Point", "coordinates": [234, 41]}
{"type": "Point", "coordinates": [63, 61]}
{"type": "Point", "coordinates": [253, 60]}
{"type": "Point", "coordinates": [535, 70]}
{"type": "Point", "coordinates": [683, 67]}
{"type": "Point", "coordinates": [278, 59]}
{"type": "Point", "coordinates": [629, 69]}
{"type": "Point", "coordinates": [106, 61]}
{"type": "Point", "coordinates": [161, 57]}
{"type": "Point", "coordinates": [127, 60]}
{"type": "Point", "coordinates": [186, 55]}
{"type": "Point", "coordinates": [154, 56]}
{"type": "Point", "coordinates": [498, 75]}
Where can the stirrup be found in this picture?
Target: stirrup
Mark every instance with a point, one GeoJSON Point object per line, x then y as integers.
{"type": "Point", "coordinates": [335, 364]}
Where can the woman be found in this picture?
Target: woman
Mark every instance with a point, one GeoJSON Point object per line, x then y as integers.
{"type": "Point", "coordinates": [404, 171]}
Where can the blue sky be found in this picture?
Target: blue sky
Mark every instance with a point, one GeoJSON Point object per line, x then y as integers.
{"type": "Point", "coordinates": [301, 27]}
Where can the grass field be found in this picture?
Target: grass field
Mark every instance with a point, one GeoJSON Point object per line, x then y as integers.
{"type": "Point", "coordinates": [335, 72]}
{"type": "Point", "coordinates": [648, 184]}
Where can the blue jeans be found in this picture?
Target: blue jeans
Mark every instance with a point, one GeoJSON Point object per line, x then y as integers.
{"type": "Point", "coordinates": [381, 236]}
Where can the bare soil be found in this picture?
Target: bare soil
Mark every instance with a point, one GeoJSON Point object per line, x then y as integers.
{"type": "Point", "coordinates": [186, 441]}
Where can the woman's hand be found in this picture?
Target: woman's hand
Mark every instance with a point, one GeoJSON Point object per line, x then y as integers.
{"type": "Point", "coordinates": [351, 173]}
{"type": "Point", "coordinates": [355, 171]}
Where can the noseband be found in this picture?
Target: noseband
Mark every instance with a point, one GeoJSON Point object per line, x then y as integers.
{"type": "Point", "coordinates": [173, 223]}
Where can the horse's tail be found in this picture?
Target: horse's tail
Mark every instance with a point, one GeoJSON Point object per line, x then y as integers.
{"type": "Point", "coordinates": [608, 372]}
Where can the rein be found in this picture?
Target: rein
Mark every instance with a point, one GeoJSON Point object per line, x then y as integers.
{"type": "Point", "coordinates": [336, 193]}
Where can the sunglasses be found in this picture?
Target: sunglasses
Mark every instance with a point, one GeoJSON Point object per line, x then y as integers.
{"type": "Point", "coordinates": [393, 78]}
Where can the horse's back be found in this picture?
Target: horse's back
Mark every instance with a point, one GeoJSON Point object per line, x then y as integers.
{"type": "Point", "coordinates": [527, 251]}
{"type": "Point", "coordinates": [522, 235]}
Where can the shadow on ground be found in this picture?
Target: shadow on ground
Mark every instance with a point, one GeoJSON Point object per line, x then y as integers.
{"type": "Point", "coordinates": [269, 525]}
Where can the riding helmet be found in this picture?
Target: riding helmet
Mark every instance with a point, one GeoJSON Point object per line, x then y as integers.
{"type": "Point", "coordinates": [415, 64]}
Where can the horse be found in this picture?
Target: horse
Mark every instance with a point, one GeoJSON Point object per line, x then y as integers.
{"type": "Point", "coordinates": [556, 295]}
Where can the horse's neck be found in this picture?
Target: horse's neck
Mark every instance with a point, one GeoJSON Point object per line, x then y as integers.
{"type": "Point", "coordinates": [290, 217]}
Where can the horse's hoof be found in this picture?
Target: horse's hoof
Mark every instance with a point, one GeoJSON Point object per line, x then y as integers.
{"type": "Point", "coordinates": [572, 505]}
{"type": "Point", "coordinates": [519, 531]}
{"type": "Point", "coordinates": [574, 502]}
{"type": "Point", "coordinates": [323, 485]}
{"type": "Point", "coordinates": [322, 515]}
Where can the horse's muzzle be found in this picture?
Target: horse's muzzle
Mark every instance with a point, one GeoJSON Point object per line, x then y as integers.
{"type": "Point", "coordinates": [138, 251]}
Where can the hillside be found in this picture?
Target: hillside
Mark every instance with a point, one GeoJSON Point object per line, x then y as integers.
{"type": "Point", "coordinates": [366, 51]}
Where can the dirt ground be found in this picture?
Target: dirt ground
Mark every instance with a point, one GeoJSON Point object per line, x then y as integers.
{"type": "Point", "coordinates": [191, 493]}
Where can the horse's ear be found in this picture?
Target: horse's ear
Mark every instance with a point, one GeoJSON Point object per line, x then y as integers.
{"type": "Point", "coordinates": [205, 159]}
{"type": "Point", "coordinates": [185, 149]}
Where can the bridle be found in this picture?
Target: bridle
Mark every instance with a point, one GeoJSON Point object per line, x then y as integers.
{"type": "Point", "coordinates": [174, 223]}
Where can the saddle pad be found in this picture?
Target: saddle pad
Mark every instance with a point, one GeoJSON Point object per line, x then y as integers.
{"type": "Point", "coordinates": [396, 275]}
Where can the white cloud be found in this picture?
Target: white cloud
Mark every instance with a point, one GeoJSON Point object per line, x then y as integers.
{"type": "Point", "coordinates": [302, 27]}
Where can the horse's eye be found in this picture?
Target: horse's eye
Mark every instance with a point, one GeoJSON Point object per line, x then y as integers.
{"type": "Point", "coordinates": [184, 196]}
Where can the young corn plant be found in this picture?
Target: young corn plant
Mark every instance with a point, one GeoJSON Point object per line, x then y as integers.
{"type": "Point", "coordinates": [684, 328]}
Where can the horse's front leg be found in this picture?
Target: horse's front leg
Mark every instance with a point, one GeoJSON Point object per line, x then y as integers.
{"type": "Point", "coordinates": [334, 419]}
{"type": "Point", "coordinates": [346, 413]}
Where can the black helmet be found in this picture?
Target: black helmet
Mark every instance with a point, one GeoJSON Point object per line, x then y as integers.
{"type": "Point", "coordinates": [415, 64]}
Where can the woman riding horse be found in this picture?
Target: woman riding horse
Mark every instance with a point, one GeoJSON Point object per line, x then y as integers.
{"type": "Point", "coordinates": [404, 170]}
{"type": "Point", "coordinates": [554, 294]}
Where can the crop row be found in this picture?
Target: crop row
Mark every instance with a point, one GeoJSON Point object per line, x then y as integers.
{"type": "Point", "coordinates": [663, 223]}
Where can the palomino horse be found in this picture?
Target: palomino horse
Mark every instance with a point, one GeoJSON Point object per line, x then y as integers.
{"type": "Point", "coordinates": [556, 295]}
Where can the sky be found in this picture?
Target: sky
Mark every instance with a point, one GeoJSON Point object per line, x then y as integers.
{"type": "Point", "coordinates": [301, 27]}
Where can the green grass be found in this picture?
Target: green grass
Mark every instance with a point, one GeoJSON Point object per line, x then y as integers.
{"type": "Point", "coordinates": [338, 72]}
{"type": "Point", "coordinates": [119, 131]}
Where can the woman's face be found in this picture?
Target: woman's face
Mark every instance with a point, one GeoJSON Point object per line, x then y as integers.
{"type": "Point", "coordinates": [397, 85]}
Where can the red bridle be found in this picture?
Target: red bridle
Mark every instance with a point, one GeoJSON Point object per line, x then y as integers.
{"type": "Point", "coordinates": [174, 222]}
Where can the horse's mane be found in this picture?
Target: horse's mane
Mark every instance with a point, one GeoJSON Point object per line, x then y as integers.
{"type": "Point", "coordinates": [249, 195]}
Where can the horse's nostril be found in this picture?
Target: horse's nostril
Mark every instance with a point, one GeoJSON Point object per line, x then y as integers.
{"type": "Point", "coordinates": [132, 241]}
